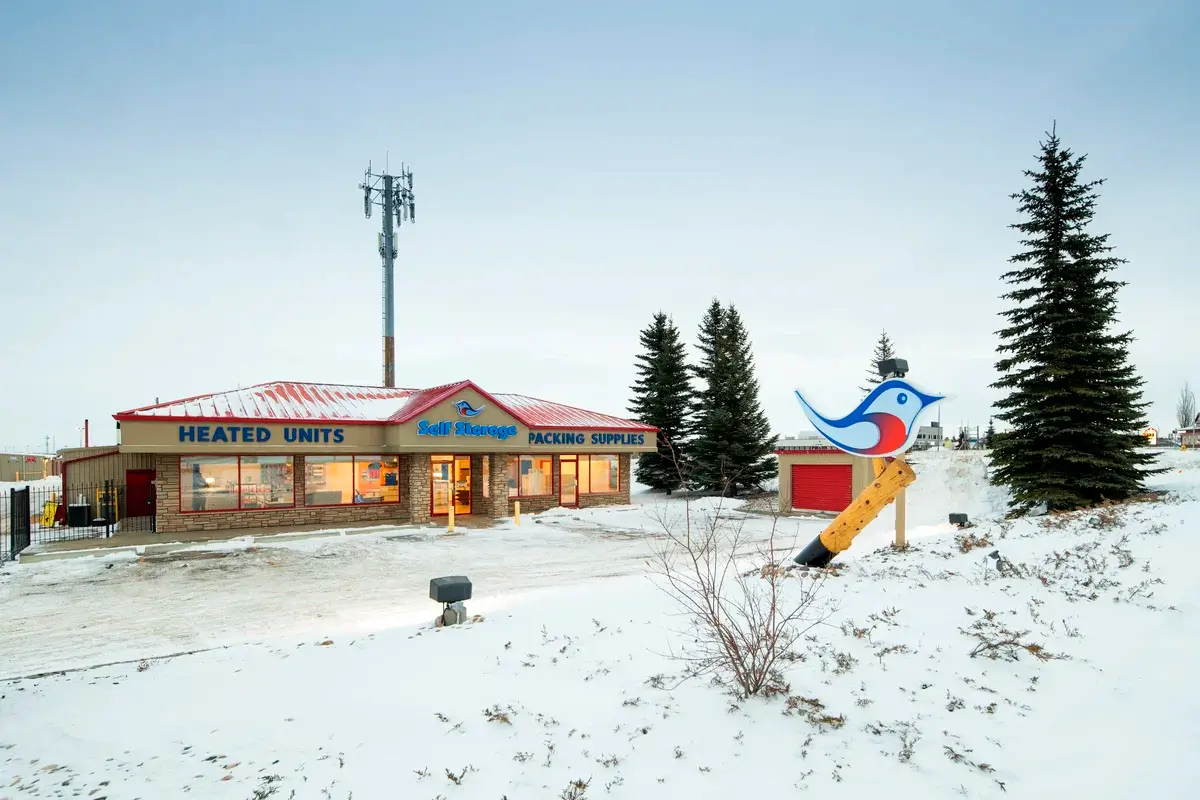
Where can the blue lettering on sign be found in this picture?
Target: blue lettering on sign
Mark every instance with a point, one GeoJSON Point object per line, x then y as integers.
{"type": "Point", "coordinates": [464, 428]}
{"type": "Point", "coordinates": [247, 434]}
{"type": "Point", "coordinates": [573, 438]}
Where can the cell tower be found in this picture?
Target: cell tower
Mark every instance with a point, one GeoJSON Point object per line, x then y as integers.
{"type": "Point", "coordinates": [395, 194]}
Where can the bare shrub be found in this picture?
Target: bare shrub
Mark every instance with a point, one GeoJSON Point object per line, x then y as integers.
{"type": "Point", "coordinates": [494, 714]}
{"type": "Point", "coordinates": [906, 732]}
{"type": "Point", "coordinates": [969, 540]}
{"type": "Point", "coordinates": [1000, 643]}
{"type": "Point", "coordinates": [746, 621]}
{"type": "Point", "coordinates": [813, 710]}
{"type": "Point", "coordinates": [576, 789]}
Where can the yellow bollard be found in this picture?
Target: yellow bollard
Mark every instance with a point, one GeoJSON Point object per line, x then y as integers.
{"type": "Point", "coordinates": [450, 520]}
{"type": "Point", "coordinates": [517, 512]}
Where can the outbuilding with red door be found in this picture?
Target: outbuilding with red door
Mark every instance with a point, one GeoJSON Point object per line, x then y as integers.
{"type": "Point", "coordinates": [815, 476]}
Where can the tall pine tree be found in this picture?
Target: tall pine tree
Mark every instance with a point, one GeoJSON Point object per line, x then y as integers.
{"type": "Point", "coordinates": [732, 448]}
{"type": "Point", "coordinates": [709, 424]}
{"type": "Point", "coordinates": [662, 397]}
{"type": "Point", "coordinates": [1074, 402]}
{"type": "Point", "coordinates": [884, 350]}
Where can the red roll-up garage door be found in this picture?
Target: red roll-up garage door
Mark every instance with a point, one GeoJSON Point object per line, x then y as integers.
{"type": "Point", "coordinates": [821, 487]}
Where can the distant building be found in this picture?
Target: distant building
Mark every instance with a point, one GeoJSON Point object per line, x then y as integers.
{"type": "Point", "coordinates": [929, 436]}
{"type": "Point", "coordinates": [15, 467]}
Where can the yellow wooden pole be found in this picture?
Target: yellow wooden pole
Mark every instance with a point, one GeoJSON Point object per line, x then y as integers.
{"type": "Point", "coordinates": [450, 519]}
{"type": "Point", "coordinates": [517, 512]}
{"type": "Point", "coordinates": [902, 515]}
{"type": "Point", "coordinates": [882, 491]}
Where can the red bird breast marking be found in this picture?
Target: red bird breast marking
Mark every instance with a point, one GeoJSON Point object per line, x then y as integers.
{"type": "Point", "coordinates": [892, 433]}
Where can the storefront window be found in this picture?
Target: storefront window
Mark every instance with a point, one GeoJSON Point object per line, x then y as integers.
{"type": "Point", "coordinates": [377, 479]}
{"type": "Point", "coordinates": [328, 480]}
{"type": "Point", "coordinates": [601, 476]}
{"type": "Point", "coordinates": [208, 483]}
{"type": "Point", "coordinates": [267, 482]}
{"type": "Point", "coordinates": [348, 480]}
{"type": "Point", "coordinates": [227, 483]}
{"type": "Point", "coordinates": [530, 476]}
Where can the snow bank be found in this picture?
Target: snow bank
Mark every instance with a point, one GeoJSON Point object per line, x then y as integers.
{"type": "Point", "coordinates": [908, 689]}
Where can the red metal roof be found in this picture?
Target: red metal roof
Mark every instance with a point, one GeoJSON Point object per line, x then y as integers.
{"type": "Point", "coordinates": [289, 401]}
{"type": "Point", "coordinates": [537, 413]}
{"type": "Point", "coordinates": [282, 401]}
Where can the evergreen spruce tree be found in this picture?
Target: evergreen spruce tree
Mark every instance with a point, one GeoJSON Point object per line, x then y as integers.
{"type": "Point", "coordinates": [1074, 402]}
{"type": "Point", "coordinates": [662, 397]}
{"type": "Point", "coordinates": [710, 426]}
{"type": "Point", "coordinates": [884, 349]}
{"type": "Point", "coordinates": [990, 434]}
{"type": "Point", "coordinates": [732, 447]}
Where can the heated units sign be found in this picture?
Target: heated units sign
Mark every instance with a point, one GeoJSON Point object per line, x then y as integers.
{"type": "Point", "coordinates": [256, 434]}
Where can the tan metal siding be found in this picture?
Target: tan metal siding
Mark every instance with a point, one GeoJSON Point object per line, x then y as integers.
{"type": "Point", "coordinates": [90, 474]}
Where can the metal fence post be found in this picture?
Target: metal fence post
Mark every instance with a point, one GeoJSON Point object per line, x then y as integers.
{"type": "Point", "coordinates": [108, 498]}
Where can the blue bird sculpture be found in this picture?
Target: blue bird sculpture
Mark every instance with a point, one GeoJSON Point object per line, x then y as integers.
{"type": "Point", "coordinates": [884, 424]}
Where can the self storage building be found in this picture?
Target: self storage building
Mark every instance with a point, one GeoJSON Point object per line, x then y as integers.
{"type": "Point", "coordinates": [289, 454]}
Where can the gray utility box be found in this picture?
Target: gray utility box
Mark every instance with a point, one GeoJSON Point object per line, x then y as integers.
{"type": "Point", "coordinates": [893, 366]}
{"type": "Point", "coordinates": [450, 589]}
{"type": "Point", "coordinates": [959, 520]}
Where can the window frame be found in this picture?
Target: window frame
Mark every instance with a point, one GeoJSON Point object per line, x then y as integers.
{"type": "Point", "coordinates": [237, 458]}
{"type": "Point", "coordinates": [354, 461]}
{"type": "Point", "coordinates": [518, 496]}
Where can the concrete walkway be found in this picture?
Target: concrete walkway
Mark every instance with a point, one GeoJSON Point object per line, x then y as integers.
{"type": "Point", "coordinates": [148, 543]}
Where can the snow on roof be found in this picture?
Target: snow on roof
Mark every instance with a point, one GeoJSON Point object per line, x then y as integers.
{"type": "Point", "coordinates": [803, 441]}
{"type": "Point", "coordinates": [288, 401]}
{"type": "Point", "coordinates": [537, 413]}
{"type": "Point", "coordinates": [283, 401]}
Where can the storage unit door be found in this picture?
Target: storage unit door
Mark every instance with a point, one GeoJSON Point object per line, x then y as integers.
{"type": "Point", "coordinates": [821, 487]}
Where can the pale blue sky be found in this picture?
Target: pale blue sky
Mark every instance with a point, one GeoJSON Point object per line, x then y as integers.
{"type": "Point", "coordinates": [179, 211]}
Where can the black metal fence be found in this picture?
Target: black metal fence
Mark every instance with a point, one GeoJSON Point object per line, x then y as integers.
{"type": "Point", "coordinates": [40, 515]}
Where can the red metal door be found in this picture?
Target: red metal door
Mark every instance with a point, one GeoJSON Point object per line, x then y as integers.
{"type": "Point", "coordinates": [822, 487]}
{"type": "Point", "coordinates": [139, 492]}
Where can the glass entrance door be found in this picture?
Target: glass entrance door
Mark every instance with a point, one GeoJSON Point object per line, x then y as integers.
{"type": "Point", "coordinates": [568, 482]}
{"type": "Point", "coordinates": [441, 475]}
{"type": "Point", "coordinates": [462, 484]}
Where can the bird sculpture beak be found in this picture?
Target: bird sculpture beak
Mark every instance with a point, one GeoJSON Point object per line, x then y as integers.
{"type": "Point", "coordinates": [929, 399]}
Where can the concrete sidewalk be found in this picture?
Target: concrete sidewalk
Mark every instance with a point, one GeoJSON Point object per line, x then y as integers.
{"type": "Point", "coordinates": [148, 543]}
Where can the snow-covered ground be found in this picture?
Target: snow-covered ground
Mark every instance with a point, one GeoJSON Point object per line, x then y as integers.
{"type": "Point", "coordinates": [328, 681]}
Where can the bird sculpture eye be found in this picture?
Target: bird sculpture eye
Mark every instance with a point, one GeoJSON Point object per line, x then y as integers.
{"type": "Point", "coordinates": [902, 398]}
